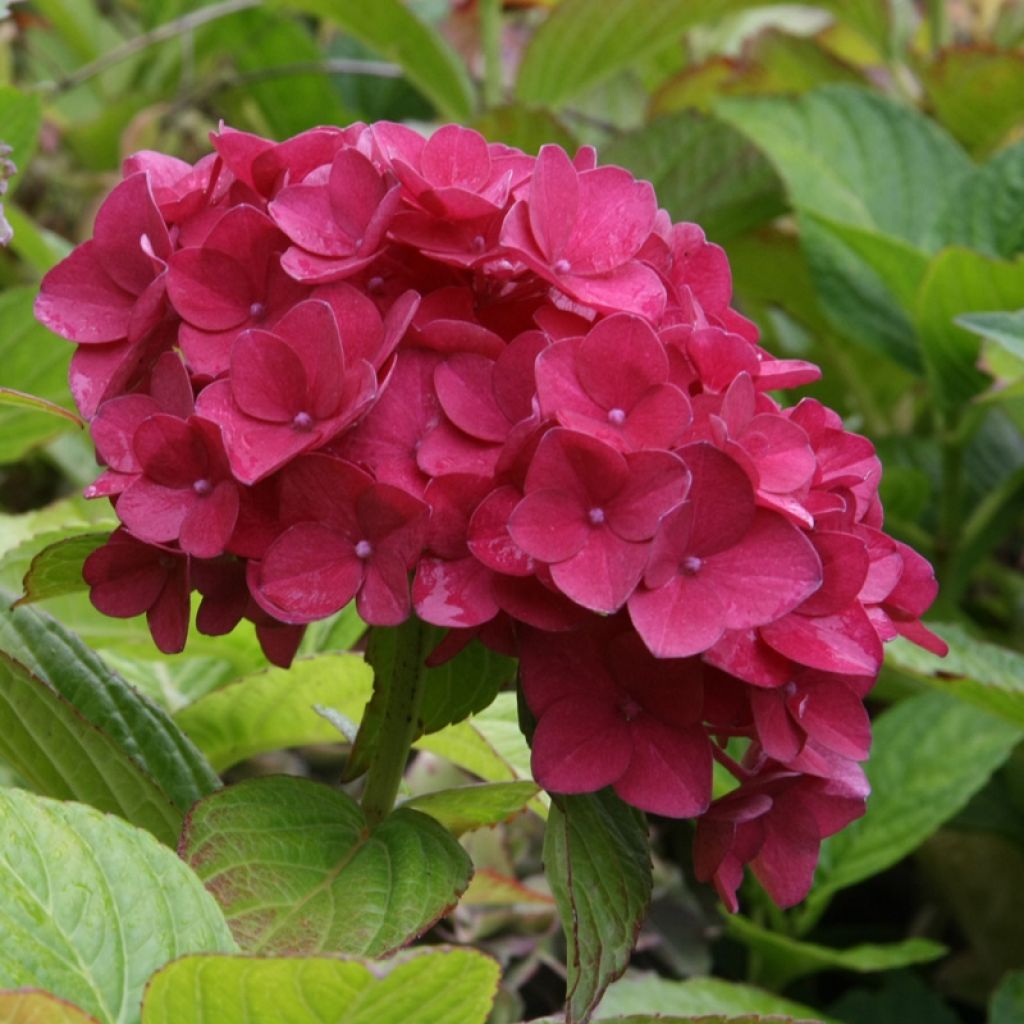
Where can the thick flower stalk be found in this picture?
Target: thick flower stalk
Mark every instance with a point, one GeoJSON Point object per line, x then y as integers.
{"type": "Point", "coordinates": [509, 395]}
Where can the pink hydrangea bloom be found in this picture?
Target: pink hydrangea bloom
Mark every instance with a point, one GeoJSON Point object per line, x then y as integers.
{"type": "Point", "coordinates": [507, 392]}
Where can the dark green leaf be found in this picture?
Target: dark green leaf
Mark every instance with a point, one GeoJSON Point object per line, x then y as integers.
{"type": "Point", "coordinates": [77, 682]}
{"type": "Point", "coordinates": [930, 755]}
{"type": "Point", "coordinates": [1007, 1006]}
{"type": "Point", "coordinates": [902, 999]}
{"type": "Point", "coordinates": [90, 907]}
{"type": "Point", "coordinates": [703, 171]}
{"type": "Point", "coordinates": [393, 31]}
{"type": "Point", "coordinates": [598, 863]}
{"type": "Point", "coordinates": [20, 117]}
{"type": "Point", "coordinates": [781, 959]}
{"type": "Point", "coordinates": [1005, 329]}
{"type": "Point", "coordinates": [456, 986]}
{"type": "Point", "coordinates": [57, 569]}
{"type": "Point", "coordinates": [295, 868]}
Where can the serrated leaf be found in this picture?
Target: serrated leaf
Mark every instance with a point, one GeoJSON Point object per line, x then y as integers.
{"type": "Point", "coordinates": [77, 685]}
{"type": "Point", "coordinates": [984, 674]}
{"type": "Point", "coordinates": [456, 986]}
{"type": "Point", "coordinates": [470, 807]}
{"type": "Point", "coordinates": [651, 994]}
{"type": "Point", "coordinates": [276, 708]}
{"type": "Point", "coordinates": [20, 117]}
{"type": "Point", "coordinates": [930, 755]}
{"type": "Point", "coordinates": [983, 211]}
{"type": "Point", "coordinates": [172, 681]}
{"type": "Point", "coordinates": [491, 888]}
{"type": "Point", "coordinates": [975, 93]}
{"type": "Point", "coordinates": [296, 868]}
{"type": "Point", "coordinates": [90, 906]}
{"type": "Point", "coordinates": [781, 959]}
{"type": "Point", "coordinates": [855, 157]}
{"type": "Point", "coordinates": [36, 362]}
{"type": "Point", "coordinates": [28, 1007]}
{"type": "Point", "coordinates": [57, 569]}
{"type": "Point", "coordinates": [703, 171]}
{"type": "Point", "coordinates": [1007, 1005]}
{"type": "Point", "coordinates": [598, 863]}
{"type": "Point", "coordinates": [961, 281]}
{"type": "Point", "coordinates": [397, 34]}
{"type": "Point", "coordinates": [573, 50]}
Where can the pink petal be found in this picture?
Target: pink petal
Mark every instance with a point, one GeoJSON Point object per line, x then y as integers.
{"type": "Point", "coordinates": [310, 572]}
{"type": "Point", "coordinates": [550, 525]}
{"type": "Point", "coordinates": [619, 360]}
{"type": "Point", "coordinates": [210, 521]}
{"type": "Point", "coordinates": [126, 217]}
{"type": "Point", "coordinates": [722, 498]}
{"type": "Point", "coordinates": [320, 488]}
{"type": "Point", "coordinates": [170, 451]}
{"type": "Point", "coordinates": [844, 562]}
{"type": "Point", "coordinates": [383, 599]}
{"type": "Point", "coordinates": [209, 288]}
{"type": "Point", "coordinates": [670, 770]}
{"type": "Point", "coordinates": [835, 716]}
{"type": "Point", "coordinates": [659, 419]}
{"type": "Point", "coordinates": [657, 482]}
{"type": "Point", "coordinates": [681, 618]}
{"type": "Point", "coordinates": [489, 538]}
{"type": "Point", "coordinates": [152, 512]}
{"type": "Point", "coordinates": [786, 862]}
{"type": "Point", "coordinates": [454, 594]}
{"type": "Point", "coordinates": [168, 616]}
{"type": "Point", "coordinates": [776, 731]}
{"type": "Point", "coordinates": [311, 332]}
{"type": "Point", "coordinates": [616, 215]}
{"type": "Point", "coordinates": [630, 288]}
{"type": "Point", "coordinates": [113, 430]}
{"type": "Point", "coordinates": [464, 388]}
{"type": "Point", "coordinates": [268, 381]}
{"type": "Point", "coordinates": [581, 465]}
{"type": "Point", "coordinates": [603, 573]}
{"type": "Point", "coordinates": [580, 747]}
{"type": "Point", "coordinates": [844, 643]}
{"type": "Point", "coordinates": [553, 202]}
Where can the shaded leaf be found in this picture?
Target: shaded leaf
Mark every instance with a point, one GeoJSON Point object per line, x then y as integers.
{"type": "Point", "coordinates": [295, 868]}
{"type": "Point", "coordinates": [491, 888]}
{"type": "Point", "coordinates": [901, 999]}
{"type": "Point", "coordinates": [647, 993]}
{"type": "Point", "coordinates": [93, 930]}
{"type": "Point", "coordinates": [28, 1007]}
{"type": "Point", "coordinates": [781, 959]}
{"type": "Point", "coordinates": [469, 807]}
{"type": "Point", "coordinates": [598, 863]}
{"type": "Point", "coordinates": [76, 682]}
{"type": "Point", "coordinates": [528, 128]}
{"type": "Point", "coordinates": [1007, 1005]}
{"type": "Point", "coordinates": [391, 29]}
{"type": "Point", "coordinates": [20, 118]}
{"type": "Point", "coordinates": [930, 755]}
{"type": "Point", "coordinates": [456, 986]}
{"type": "Point", "coordinates": [57, 569]}
{"type": "Point", "coordinates": [703, 170]}
{"type": "Point", "coordinates": [276, 708]}
{"type": "Point", "coordinates": [1005, 329]}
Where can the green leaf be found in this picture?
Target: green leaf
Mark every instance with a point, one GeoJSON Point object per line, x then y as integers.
{"type": "Point", "coordinates": [781, 959]}
{"type": "Point", "coordinates": [20, 118]}
{"type": "Point", "coordinates": [57, 569]}
{"type": "Point", "coordinates": [54, 674]}
{"type": "Point", "coordinates": [27, 1007]}
{"type": "Point", "coordinates": [37, 246]}
{"type": "Point", "coordinates": [90, 906]}
{"type": "Point", "coordinates": [930, 755]}
{"type": "Point", "coordinates": [854, 157]}
{"type": "Point", "coordinates": [36, 362]}
{"type": "Point", "coordinates": [984, 674]}
{"type": "Point", "coordinates": [9, 396]}
{"type": "Point", "coordinates": [573, 50]}
{"type": "Point", "coordinates": [598, 863]}
{"type": "Point", "coordinates": [172, 681]}
{"type": "Point", "coordinates": [704, 171]}
{"type": "Point", "coordinates": [960, 281]}
{"type": "Point", "coordinates": [527, 128]}
{"type": "Point", "coordinates": [456, 986]}
{"type": "Point", "coordinates": [490, 887]}
{"type": "Point", "coordinates": [1007, 1005]}
{"type": "Point", "coordinates": [393, 31]}
{"type": "Point", "coordinates": [295, 868]}
{"type": "Point", "coordinates": [649, 993]}
{"type": "Point", "coordinates": [1005, 329]}
{"type": "Point", "coordinates": [471, 807]}
{"type": "Point", "coordinates": [983, 211]}
{"type": "Point", "coordinates": [975, 92]}
{"type": "Point", "coordinates": [902, 999]}
{"type": "Point", "coordinates": [276, 708]}
{"type": "Point", "coordinates": [866, 283]}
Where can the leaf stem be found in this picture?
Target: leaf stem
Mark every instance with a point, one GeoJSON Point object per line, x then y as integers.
{"type": "Point", "coordinates": [403, 694]}
{"type": "Point", "coordinates": [938, 24]}
{"type": "Point", "coordinates": [490, 37]}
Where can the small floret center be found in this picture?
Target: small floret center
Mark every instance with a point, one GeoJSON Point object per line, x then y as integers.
{"type": "Point", "coordinates": [629, 708]}
{"type": "Point", "coordinates": [202, 487]}
{"type": "Point", "coordinates": [302, 421]}
{"type": "Point", "coordinates": [596, 516]}
{"type": "Point", "coordinates": [257, 311]}
{"type": "Point", "coordinates": [691, 565]}
{"type": "Point", "coordinates": [562, 266]}
{"type": "Point", "coordinates": [617, 417]}
{"type": "Point", "coordinates": [364, 549]}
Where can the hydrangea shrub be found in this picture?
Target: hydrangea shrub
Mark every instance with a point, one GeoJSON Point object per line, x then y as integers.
{"type": "Point", "coordinates": [507, 395]}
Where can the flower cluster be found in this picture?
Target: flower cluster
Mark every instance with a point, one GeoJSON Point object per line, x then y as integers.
{"type": "Point", "coordinates": [508, 393]}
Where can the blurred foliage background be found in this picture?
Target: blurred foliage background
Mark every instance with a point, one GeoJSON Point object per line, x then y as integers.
{"type": "Point", "coordinates": [862, 162]}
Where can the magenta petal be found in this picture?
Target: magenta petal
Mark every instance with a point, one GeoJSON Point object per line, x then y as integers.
{"type": "Point", "coordinates": [683, 617]}
{"type": "Point", "coordinates": [550, 525]}
{"type": "Point", "coordinates": [455, 594]}
{"type": "Point", "coordinates": [722, 498]}
{"type": "Point", "coordinates": [268, 381]}
{"type": "Point", "coordinates": [619, 360]}
{"type": "Point", "coordinates": [845, 643]}
{"type": "Point", "coordinates": [489, 538]}
{"type": "Point", "coordinates": [310, 572]}
{"type": "Point", "coordinates": [303, 213]}
{"type": "Point", "coordinates": [152, 512]}
{"type": "Point", "coordinates": [844, 562]}
{"type": "Point", "coordinates": [670, 770]}
{"type": "Point", "coordinates": [775, 728]}
{"type": "Point", "coordinates": [603, 573]}
{"type": "Point", "coordinates": [210, 521]}
{"type": "Point", "coordinates": [580, 747]}
{"type": "Point", "coordinates": [616, 215]}
{"type": "Point", "coordinates": [554, 195]}
{"type": "Point", "coordinates": [78, 300]}
{"type": "Point", "coordinates": [659, 419]}
{"type": "Point", "coordinates": [568, 461]}
{"type": "Point", "coordinates": [836, 717]}
{"type": "Point", "coordinates": [383, 599]}
{"type": "Point", "coordinates": [170, 451]}
{"type": "Point", "coordinates": [786, 862]}
{"type": "Point", "coordinates": [311, 331]}
{"type": "Point", "coordinates": [780, 451]}
{"type": "Point", "coordinates": [631, 288]}
{"type": "Point", "coordinates": [168, 616]}
{"type": "Point", "coordinates": [657, 483]}
{"type": "Point", "coordinates": [129, 215]}
{"type": "Point", "coordinates": [209, 288]}
{"type": "Point", "coordinates": [464, 387]}
{"type": "Point", "coordinates": [113, 430]}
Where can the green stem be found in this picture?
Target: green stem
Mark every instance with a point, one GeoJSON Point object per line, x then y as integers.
{"type": "Point", "coordinates": [402, 695]}
{"type": "Point", "coordinates": [490, 37]}
{"type": "Point", "coordinates": [938, 24]}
